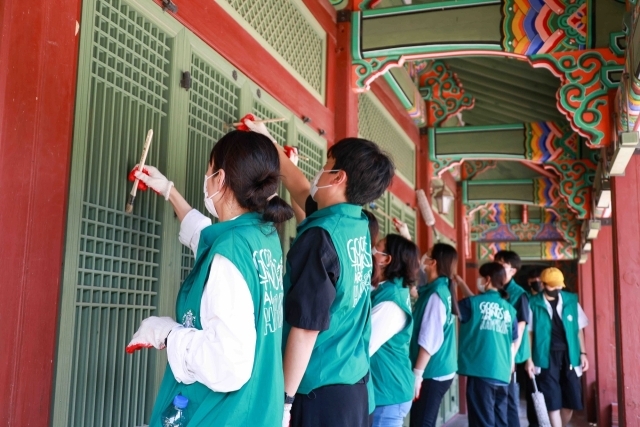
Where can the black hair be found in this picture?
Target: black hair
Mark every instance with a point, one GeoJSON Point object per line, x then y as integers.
{"type": "Point", "coordinates": [374, 229]}
{"type": "Point", "coordinates": [369, 169]}
{"type": "Point", "coordinates": [496, 274]}
{"type": "Point", "coordinates": [252, 168]}
{"type": "Point", "coordinates": [534, 272]}
{"type": "Point", "coordinates": [404, 260]}
{"type": "Point", "coordinates": [446, 258]}
{"type": "Point", "coordinates": [509, 257]}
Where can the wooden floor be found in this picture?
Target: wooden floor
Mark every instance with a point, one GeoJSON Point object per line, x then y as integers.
{"type": "Point", "coordinates": [578, 419]}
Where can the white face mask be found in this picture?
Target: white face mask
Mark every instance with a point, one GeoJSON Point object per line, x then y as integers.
{"type": "Point", "coordinates": [208, 203]}
{"type": "Point", "coordinates": [314, 183]}
{"type": "Point", "coordinates": [481, 285]}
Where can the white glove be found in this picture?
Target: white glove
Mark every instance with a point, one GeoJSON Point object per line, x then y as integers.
{"type": "Point", "coordinates": [292, 154]}
{"type": "Point", "coordinates": [259, 128]}
{"type": "Point", "coordinates": [153, 331]}
{"type": "Point", "coordinates": [158, 182]}
{"type": "Point", "coordinates": [417, 383]}
{"type": "Point", "coordinates": [286, 417]}
{"type": "Point", "coordinates": [402, 228]}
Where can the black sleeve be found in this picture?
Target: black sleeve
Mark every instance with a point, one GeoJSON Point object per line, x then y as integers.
{"type": "Point", "coordinates": [514, 331]}
{"type": "Point", "coordinates": [310, 206]}
{"type": "Point", "coordinates": [314, 270]}
{"type": "Point", "coordinates": [464, 306]}
{"type": "Point", "coordinates": [522, 309]}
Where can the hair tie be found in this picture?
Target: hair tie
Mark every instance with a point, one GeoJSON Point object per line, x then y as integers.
{"type": "Point", "coordinates": [271, 197]}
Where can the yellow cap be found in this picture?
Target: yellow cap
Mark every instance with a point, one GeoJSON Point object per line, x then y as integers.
{"type": "Point", "coordinates": [553, 277]}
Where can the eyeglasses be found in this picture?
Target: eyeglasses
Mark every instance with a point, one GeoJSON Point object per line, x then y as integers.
{"type": "Point", "coordinates": [374, 251]}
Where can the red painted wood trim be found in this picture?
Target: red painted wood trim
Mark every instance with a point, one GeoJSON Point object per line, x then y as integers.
{"type": "Point", "coordinates": [626, 246]}
{"type": "Point", "coordinates": [346, 100]}
{"type": "Point", "coordinates": [450, 182]}
{"type": "Point", "coordinates": [586, 295]}
{"type": "Point", "coordinates": [381, 89]}
{"type": "Point", "coordinates": [602, 323]}
{"type": "Point", "coordinates": [236, 45]}
{"type": "Point", "coordinates": [403, 191]}
{"type": "Point", "coordinates": [39, 52]}
{"type": "Point", "coordinates": [423, 181]}
{"type": "Point", "coordinates": [325, 14]}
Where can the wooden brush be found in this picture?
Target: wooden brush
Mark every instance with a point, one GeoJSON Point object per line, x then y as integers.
{"type": "Point", "coordinates": [375, 207]}
{"type": "Point", "coordinates": [145, 150]}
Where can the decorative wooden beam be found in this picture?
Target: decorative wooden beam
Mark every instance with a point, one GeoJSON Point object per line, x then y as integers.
{"type": "Point", "coordinates": [535, 251]}
{"type": "Point", "coordinates": [513, 28]}
{"type": "Point", "coordinates": [540, 143]}
{"type": "Point", "coordinates": [442, 90]}
{"type": "Point", "coordinates": [576, 180]}
{"type": "Point", "coordinates": [586, 78]}
{"type": "Point", "coordinates": [472, 168]}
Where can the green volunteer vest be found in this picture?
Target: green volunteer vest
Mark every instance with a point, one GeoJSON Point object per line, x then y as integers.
{"type": "Point", "coordinates": [254, 248]}
{"type": "Point", "coordinates": [485, 339]}
{"type": "Point", "coordinates": [515, 292]}
{"type": "Point", "coordinates": [391, 369]}
{"type": "Point", "coordinates": [445, 361]}
{"type": "Point", "coordinates": [341, 353]}
{"type": "Point", "coordinates": [542, 324]}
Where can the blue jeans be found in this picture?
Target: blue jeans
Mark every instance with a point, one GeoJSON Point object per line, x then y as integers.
{"type": "Point", "coordinates": [391, 415]}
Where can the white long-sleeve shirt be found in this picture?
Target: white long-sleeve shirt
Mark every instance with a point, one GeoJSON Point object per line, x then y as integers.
{"type": "Point", "coordinates": [431, 335]}
{"type": "Point", "coordinates": [387, 319]}
{"type": "Point", "coordinates": [221, 355]}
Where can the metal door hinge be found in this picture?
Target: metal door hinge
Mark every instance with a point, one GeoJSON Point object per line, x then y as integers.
{"type": "Point", "coordinates": [170, 6]}
{"type": "Point", "coordinates": [344, 16]}
{"type": "Point", "coordinates": [185, 82]}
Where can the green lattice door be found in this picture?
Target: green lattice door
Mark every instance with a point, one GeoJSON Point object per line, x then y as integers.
{"type": "Point", "coordinates": [122, 268]}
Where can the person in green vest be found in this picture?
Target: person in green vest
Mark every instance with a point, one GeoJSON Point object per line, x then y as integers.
{"type": "Point", "coordinates": [433, 341]}
{"type": "Point", "coordinates": [226, 347]}
{"type": "Point", "coordinates": [520, 301]}
{"type": "Point", "coordinates": [558, 352]}
{"type": "Point", "coordinates": [391, 326]}
{"type": "Point", "coordinates": [488, 335]}
{"type": "Point", "coordinates": [327, 283]}
{"type": "Point", "coordinates": [374, 230]}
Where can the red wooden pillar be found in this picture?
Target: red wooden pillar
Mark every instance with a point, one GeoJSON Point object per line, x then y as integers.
{"type": "Point", "coordinates": [460, 219]}
{"type": "Point", "coordinates": [38, 53]}
{"type": "Point", "coordinates": [586, 294]}
{"type": "Point", "coordinates": [346, 100]}
{"type": "Point", "coordinates": [603, 326]}
{"type": "Point", "coordinates": [626, 261]}
{"type": "Point", "coordinates": [423, 181]}
{"type": "Point", "coordinates": [471, 266]}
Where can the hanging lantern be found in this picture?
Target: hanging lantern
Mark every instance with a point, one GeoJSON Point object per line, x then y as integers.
{"type": "Point", "coordinates": [444, 199]}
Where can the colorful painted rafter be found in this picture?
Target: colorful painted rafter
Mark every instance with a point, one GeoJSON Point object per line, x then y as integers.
{"type": "Point", "coordinates": [586, 79]}
{"type": "Point", "coordinates": [576, 178]}
{"type": "Point", "coordinates": [541, 26]}
{"type": "Point", "coordinates": [548, 141]}
{"type": "Point", "coordinates": [443, 90]}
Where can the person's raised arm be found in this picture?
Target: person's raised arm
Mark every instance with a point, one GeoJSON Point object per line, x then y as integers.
{"type": "Point", "coordinates": [161, 185]}
{"type": "Point", "coordinates": [463, 286]}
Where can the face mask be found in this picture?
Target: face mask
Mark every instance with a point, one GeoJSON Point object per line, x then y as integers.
{"type": "Point", "coordinates": [481, 285]}
{"type": "Point", "coordinates": [374, 251]}
{"type": "Point", "coordinates": [536, 286]}
{"type": "Point", "coordinates": [208, 203]}
{"type": "Point", "coordinates": [314, 183]}
{"type": "Point", "coordinates": [552, 294]}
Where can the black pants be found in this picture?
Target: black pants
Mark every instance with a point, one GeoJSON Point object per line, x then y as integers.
{"type": "Point", "coordinates": [486, 403]}
{"type": "Point", "coordinates": [513, 402]}
{"type": "Point", "coordinates": [424, 411]}
{"type": "Point", "coordinates": [332, 406]}
{"type": "Point", "coordinates": [560, 384]}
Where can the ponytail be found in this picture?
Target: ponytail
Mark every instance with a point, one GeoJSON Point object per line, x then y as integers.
{"type": "Point", "coordinates": [277, 210]}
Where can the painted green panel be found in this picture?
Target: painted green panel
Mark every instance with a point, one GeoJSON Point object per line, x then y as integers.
{"type": "Point", "coordinates": [112, 259]}
{"type": "Point", "coordinates": [489, 143]}
{"type": "Point", "coordinates": [213, 103]}
{"type": "Point", "coordinates": [527, 250]}
{"type": "Point", "coordinates": [497, 193]}
{"type": "Point", "coordinates": [508, 170]}
{"type": "Point", "coordinates": [433, 27]}
{"type": "Point", "coordinates": [289, 31]}
{"type": "Point", "coordinates": [377, 125]}
{"type": "Point", "coordinates": [404, 81]}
